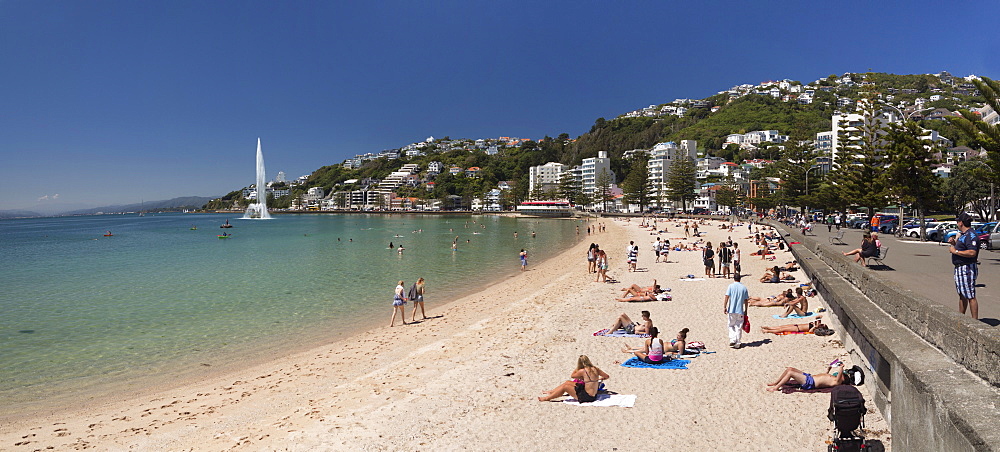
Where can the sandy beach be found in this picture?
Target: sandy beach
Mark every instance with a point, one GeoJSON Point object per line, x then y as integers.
{"type": "Point", "coordinates": [468, 378]}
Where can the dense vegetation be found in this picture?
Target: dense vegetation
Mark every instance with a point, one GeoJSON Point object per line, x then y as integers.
{"type": "Point", "coordinates": [738, 115]}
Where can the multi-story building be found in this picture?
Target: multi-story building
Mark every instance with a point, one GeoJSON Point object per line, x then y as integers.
{"type": "Point", "coordinates": [661, 158]}
{"type": "Point", "coordinates": [397, 178]}
{"type": "Point", "coordinates": [591, 170]}
{"type": "Point", "coordinates": [545, 177]}
{"type": "Point", "coordinates": [824, 143]}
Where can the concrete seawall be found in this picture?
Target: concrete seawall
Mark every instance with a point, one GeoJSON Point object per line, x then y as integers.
{"type": "Point", "coordinates": [933, 373]}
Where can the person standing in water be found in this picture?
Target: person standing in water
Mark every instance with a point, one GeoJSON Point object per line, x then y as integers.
{"type": "Point", "coordinates": [524, 258]}
{"type": "Point", "coordinates": [417, 296]}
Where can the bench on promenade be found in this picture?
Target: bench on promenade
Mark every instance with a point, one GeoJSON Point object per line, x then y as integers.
{"type": "Point", "coordinates": [838, 238]}
{"type": "Point", "coordinates": [882, 252]}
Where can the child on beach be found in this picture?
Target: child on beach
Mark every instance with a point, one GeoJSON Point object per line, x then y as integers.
{"type": "Point", "coordinates": [524, 258]}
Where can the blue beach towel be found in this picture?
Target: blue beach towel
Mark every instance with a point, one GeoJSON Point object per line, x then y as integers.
{"type": "Point", "coordinates": [794, 316]}
{"type": "Point", "coordinates": [672, 364]}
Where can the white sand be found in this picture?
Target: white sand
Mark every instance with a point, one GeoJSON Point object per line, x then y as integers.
{"type": "Point", "coordinates": [469, 380]}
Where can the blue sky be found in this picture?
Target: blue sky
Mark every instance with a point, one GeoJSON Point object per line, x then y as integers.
{"type": "Point", "coordinates": [106, 102]}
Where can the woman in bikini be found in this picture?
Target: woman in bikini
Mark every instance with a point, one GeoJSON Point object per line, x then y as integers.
{"type": "Point", "coordinates": [630, 327]}
{"type": "Point", "coordinates": [585, 381]}
{"type": "Point", "coordinates": [794, 327]}
{"type": "Point", "coordinates": [654, 350]}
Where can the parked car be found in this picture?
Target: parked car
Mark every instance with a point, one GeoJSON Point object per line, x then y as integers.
{"type": "Point", "coordinates": [993, 237]}
{"type": "Point", "coordinates": [913, 229]}
{"type": "Point", "coordinates": [940, 232]}
{"type": "Point", "coordinates": [888, 225]}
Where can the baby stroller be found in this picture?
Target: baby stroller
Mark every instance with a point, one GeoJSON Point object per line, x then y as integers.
{"type": "Point", "coordinates": [847, 411]}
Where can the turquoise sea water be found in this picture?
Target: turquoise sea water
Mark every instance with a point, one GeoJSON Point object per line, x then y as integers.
{"type": "Point", "coordinates": [84, 313]}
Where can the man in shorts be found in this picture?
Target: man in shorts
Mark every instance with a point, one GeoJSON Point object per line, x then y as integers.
{"type": "Point", "coordinates": [834, 376]}
{"type": "Point", "coordinates": [964, 251]}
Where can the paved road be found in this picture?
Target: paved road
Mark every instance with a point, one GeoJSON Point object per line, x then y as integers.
{"type": "Point", "coordinates": [925, 267]}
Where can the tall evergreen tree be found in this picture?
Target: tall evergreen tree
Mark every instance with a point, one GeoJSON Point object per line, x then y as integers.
{"type": "Point", "coordinates": [682, 180]}
{"type": "Point", "coordinates": [861, 159]}
{"type": "Point", "coordinates": [910, 175]}
{"type": "Point", "coordinates": [602, 193]}
{"type": "Point", "coordinates": [636, 185]}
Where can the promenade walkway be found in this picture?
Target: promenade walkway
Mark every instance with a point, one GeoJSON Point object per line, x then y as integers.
{"type": "Point", "coordinates": [925, 267]}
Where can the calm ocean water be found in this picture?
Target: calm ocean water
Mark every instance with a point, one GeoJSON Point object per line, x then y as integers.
{"type": "Point", "coordinates": [157, 300]}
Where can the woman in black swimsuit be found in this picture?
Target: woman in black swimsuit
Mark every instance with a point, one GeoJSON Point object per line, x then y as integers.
{"type": "Point", "coordinates": [586, 379]}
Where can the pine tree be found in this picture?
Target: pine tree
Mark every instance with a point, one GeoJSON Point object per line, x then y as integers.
{"type": "Point", "coordinates": [909, 174]}
{"type": "Point", "coordinates": [860, 166]}
{"type": "Point", "coordinates": [682, 181]}
{"type": "Point", "coordinates": [636, 185]}
{"type": "Point", "coordinates": [603, 189]}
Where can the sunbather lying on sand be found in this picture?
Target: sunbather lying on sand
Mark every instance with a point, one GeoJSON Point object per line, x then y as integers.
{"type": "Point", "coordinates": [794, 327]}
{"type": "Point", "coordinates": [662, 296]}
{"type": "Point", "coordinates": [635, 289]}
{"type": "Point", "coordinates": [781, 299]}
{"type": "Point", "coordinates": [775, 275]}
{"type": "Point", "coordinates": [630, 327]}
{"type": "Point", "coordinates": [833, 377]}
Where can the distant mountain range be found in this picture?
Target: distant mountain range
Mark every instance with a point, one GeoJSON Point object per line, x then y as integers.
{"type": "Point", "coordinates": [186, 202]}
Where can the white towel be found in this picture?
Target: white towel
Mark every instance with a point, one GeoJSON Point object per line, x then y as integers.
{"type": "Point", "coordinates": [692, 279]}
{"type": "Point", "coordinates": [627, 401]}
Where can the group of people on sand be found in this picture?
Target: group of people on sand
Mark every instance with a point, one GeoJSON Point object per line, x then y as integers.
{"type": "Point", "coordinates": [728, 254]}
{"type": "Point", "coordinates": [597, 262]}
{"type": "Point", "coordinates": [793, 304]}
{"type": "Point", "coordinates": [586, 379]}
{"type": "Point", "coordinates": [401, 296]}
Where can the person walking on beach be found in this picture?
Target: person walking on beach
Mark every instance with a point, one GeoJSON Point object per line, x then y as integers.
{"type": "Point", "coordinates": [687, 230]}
{"type": "Point", "coordinates": [417, 296]}
{"type": "Point", "coordinates": [736, 309]}
{"type": "Point", "coordinates": [592, 258]}
{"type": "Point", "coordinates": [398, 304]}
{"type": "Point", "coordinates": [964, 251]}
{"type": "Point", "coordinates": [708, 258]}
{"type": "Point", "coordinates": [736, 258]}
{"type": "Point", "coordinates": [726, 259]}
{"type": "Point", "coordinates": [632, 253]}
{"type": "Point", "coordinates": [602, 266]}
{"type": "Point", "coordinates": [524, 259]}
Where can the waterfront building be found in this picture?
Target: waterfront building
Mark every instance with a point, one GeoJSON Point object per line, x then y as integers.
{"type": "Point", "coordinates": [591, 170]}
{"type": "Point", "coordinates": [545, 177]}
{"type": "Point", "coordinates": [662, 156]}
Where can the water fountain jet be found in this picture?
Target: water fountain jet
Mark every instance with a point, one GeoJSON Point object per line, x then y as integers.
{"type": "Point", "coordinates": [258, 210]}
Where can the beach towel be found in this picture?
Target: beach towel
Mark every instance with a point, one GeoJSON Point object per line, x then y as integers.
{"type": "Point", "coordinates": [784, 333]}
{"type": "Point", "coordinates": [692, 279]}
{"type": "Point", "coordinates": [672, 364]}
{"type": "Point", "coordinates": [606, 400]}
{"type": "Point", "coordinates": [795, 316]}
{"type": "Point", "coordinates": [617, 333]}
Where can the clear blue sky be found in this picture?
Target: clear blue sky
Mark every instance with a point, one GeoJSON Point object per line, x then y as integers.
{"type": "Point", "coordinates": [106, 102]}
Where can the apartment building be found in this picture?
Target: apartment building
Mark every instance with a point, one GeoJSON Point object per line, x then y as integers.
{"type": "Point", "coordinates": [545, 177]}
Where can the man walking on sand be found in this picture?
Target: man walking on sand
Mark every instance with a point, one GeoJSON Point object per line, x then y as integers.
{"type": "Point", "coordinates": [964, 251]}
{"type": "Point", "coordinates": [736, 308]}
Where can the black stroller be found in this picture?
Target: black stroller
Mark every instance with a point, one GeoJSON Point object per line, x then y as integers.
{"type": "Point", "coordinates": [847, 411]}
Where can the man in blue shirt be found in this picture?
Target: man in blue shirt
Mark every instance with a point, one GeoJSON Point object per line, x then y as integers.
{"type": "Point", "coordinates": [736, 308]}
{"type": "Point", "coordinates": [964, 251]}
